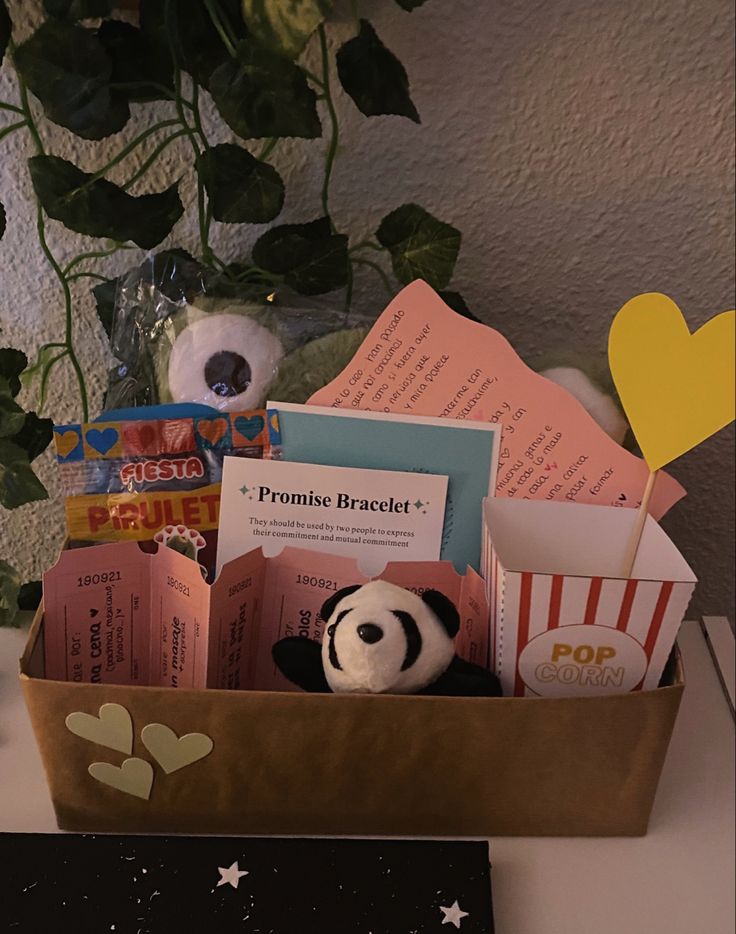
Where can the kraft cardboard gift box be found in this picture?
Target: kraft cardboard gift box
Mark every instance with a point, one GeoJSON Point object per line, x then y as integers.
{"type": "Point", "coordinates": [311, 764]}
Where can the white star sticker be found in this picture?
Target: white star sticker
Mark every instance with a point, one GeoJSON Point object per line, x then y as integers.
{"type": "Point", "coordinates": [231, 875]}
{"type": "Point", "coordinates": [454, 914]}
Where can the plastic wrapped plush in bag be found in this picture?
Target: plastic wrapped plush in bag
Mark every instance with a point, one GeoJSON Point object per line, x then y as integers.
{"type": "Point", "coordinates": [183, 333]}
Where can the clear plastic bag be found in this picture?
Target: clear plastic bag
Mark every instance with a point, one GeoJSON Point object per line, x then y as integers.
{"type": "Point", "coordinates": [184, 333]}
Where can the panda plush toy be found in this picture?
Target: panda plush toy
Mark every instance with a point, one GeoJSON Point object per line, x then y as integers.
{"type": "Point", "coordinates": [383, 639]}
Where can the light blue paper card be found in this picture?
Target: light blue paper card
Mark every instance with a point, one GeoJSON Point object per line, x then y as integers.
{"type": "Point", "coordinates": [466, 452]}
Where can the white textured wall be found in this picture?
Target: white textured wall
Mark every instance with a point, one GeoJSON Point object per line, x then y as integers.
{"type": "Point", "coordinates": [585, 150]}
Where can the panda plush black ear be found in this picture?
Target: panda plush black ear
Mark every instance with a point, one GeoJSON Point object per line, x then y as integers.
{"type": "Point", "coordinates": [328, 607]}
{"type": "Point", "coordinates": [300, 660]}
{"type": "Point", "coordinates": [444, 609]}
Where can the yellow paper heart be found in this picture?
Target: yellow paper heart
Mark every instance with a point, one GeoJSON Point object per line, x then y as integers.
{"type": "Point", "coordinates": [677, 388]}
{"type": "Point", "coordinates": [173, 752]}
{"type": "Point", "coordinates": [134, 777]}
{"type": "Point", "coordinates": [113, 728]}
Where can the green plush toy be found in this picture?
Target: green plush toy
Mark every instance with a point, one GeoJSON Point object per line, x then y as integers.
{"type": "Point", "coordinates": [184, 335]}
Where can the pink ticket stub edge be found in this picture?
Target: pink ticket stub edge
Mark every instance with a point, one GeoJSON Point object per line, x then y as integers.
{"type": "Point", "coordinates": [172, 629]}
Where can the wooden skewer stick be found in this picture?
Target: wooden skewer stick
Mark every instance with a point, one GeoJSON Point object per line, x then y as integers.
{"type": "Point", "coordinates": [636, 532]}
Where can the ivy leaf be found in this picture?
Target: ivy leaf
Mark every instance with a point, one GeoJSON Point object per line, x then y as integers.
{"type": "Point", "coordinates": [188, 28]}
{"type": "Point", "coordinates": [35, 435]}
{"type": "Point", "coordinates": [12, 415]}
{"type": "Point", "coordinates": [311, 258]}
{"type": "Point", "coordinates": [6, 28]}
{"type": "Point", "coordinates": [77, 9]}
{"type": "Point", "coordinates": [241, 189]}
{"type": "Point", "coordinates": [99, 208]}
{"type": "Point", "coordinates": [9, 593]}
{"type": "Point", "coordinates": [69, 71]}
{"type": "Point", "coordinates": [30, 595]}
{"type": "Point", "coordinates": [18, 482]}
{"type": "Point", "coordinates": [421, 246]}
{"type": "Point", "coordinates": [409, 5]}
{"type": "Point", "coordinates": [104, 293]}
{"type": "Point", "coordinates": [134, 61]}
{"type": "Point", "coordinates": [284, 25]}
{"type": "Point", "coordinates": [12, 364]}
{"type": "Point", "coordinates": [261, 94]}
{"type": "Point", "coordinates": [176, 274]}
{"type": "Point", "coordinates": [458, 304]}
{"type": "Point", "coordinates": [374, 77]}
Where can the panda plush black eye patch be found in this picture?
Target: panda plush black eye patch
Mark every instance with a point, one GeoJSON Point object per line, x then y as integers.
{"type": "Point", "coordinates": [413, 637]}
{"type": "Point", "coordinates": [408, 624]}
{"type": "Point", "coordinates": [334, 660]}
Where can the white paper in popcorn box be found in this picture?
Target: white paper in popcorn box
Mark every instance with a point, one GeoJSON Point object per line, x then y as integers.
{"type": "Point", "coordinates": [564, 622]}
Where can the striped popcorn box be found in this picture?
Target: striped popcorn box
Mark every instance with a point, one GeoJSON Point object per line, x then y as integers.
{"type": "Point", "coordinates": [564, 621]}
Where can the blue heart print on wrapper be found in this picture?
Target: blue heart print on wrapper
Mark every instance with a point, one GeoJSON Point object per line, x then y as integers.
{"type": "Point", "coordinates": [251, 427]}
{"type": "Point", "coordinates": [102, 441]}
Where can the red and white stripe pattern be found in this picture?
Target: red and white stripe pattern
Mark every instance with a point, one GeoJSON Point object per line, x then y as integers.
{"type": "Point", "coordinates": [526, 604]}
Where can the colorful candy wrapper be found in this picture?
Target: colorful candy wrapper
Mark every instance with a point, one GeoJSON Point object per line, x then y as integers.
{"type": "Point", "coordinates": [131, 480]}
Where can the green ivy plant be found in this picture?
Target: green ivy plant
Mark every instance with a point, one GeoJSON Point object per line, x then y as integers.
{"type": "Point", "coordinates": [83, 68]}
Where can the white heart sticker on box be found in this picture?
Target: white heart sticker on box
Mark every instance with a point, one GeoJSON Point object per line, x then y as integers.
{"type": "Point", "coordinates": [174, 752]}
{"type": "Point", "coordinates": [134, 777]}
{"type": "Point", "coordinates": [112, 728]}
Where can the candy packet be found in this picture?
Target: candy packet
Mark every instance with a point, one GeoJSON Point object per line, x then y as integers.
{"type": "Point", "coordinates": [156, 480]}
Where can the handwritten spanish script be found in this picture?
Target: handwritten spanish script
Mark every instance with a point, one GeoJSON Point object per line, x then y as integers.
{"type": "Point", "coordinates": [421, 358]}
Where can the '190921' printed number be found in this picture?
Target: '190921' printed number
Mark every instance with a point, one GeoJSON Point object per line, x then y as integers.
{"type": "Point", "coordinates": [105, 577]}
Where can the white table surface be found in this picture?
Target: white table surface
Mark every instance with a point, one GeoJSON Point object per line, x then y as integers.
{"type": "Point", "coordinates": [679, 879]}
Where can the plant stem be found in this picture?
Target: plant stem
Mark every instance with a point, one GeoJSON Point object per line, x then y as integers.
{"type": "Point", "coordinates": [221, 28]}
{"type": "Point", "coordinates": [201, 212]}
{"type": "Point", "coordinates": [125, 151]}
{"type": "Point", "coordinates": [45, 378]}
{"type": "Point", "coordinates": [334, 136]}
{"type": "Point", "coordinates": [7, 130]}
{"type": "Point", "coordinates": [87, 275]}
{"type": "Point", "coordinates": [312, 77]}
{"type": "Point", "coordinates": [11, 107]}
{"type": "Point", "coordinates": [268, 148]}
{"type": "Point", "coordinates": [132, 85]}
{"type": "Point", "coordinates": [366, 245]}
{"type": "Point", "coordinates": [95, 254]}
{"type": "Point", "coordinates": [40, 226]}
{"type": "Point", "coordinates": [68, 320]}
{"type": "Point", "coordinates": [145, 166]}
{"type": "Point", "coordinates": [381, 273]}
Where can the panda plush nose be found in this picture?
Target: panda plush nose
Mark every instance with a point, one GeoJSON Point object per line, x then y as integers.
{"type": "Point", "coordinates": [370, 633]}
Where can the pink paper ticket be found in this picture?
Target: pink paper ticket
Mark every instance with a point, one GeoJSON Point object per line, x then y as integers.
{"type": "Point", "coordinates": [96, 605]}
{"type": "Point", "coordinates": [420, 358]}
{"type": "Point", "coordinates": [180, 612]}
{"type": "Point", "coordinates": [115, 614]}
{"type": "Point", "coordinates": [236, 604]}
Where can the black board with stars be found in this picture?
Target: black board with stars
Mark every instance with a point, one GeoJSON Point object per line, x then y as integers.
{"type": "Point", "coordinates": [92, 884]}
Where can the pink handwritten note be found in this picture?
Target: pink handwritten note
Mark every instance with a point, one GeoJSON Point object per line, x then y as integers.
{"type": "Point", "coordinates": [116, 614]}
{"type": "Point", "coordinates": [422, 358]}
